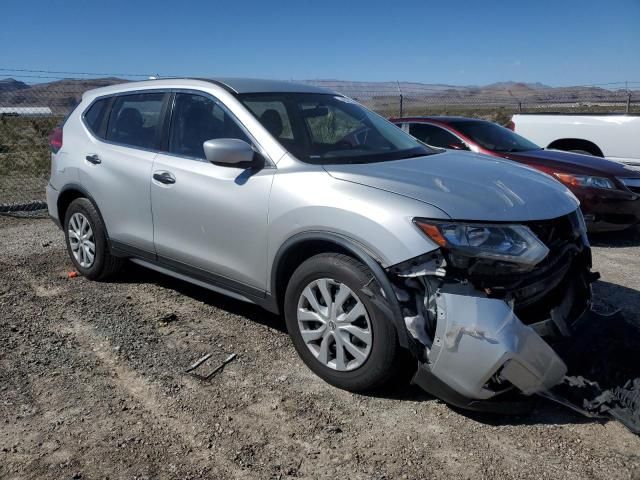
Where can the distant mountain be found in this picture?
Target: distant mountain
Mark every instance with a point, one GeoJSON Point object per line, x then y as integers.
{"type": "Point", "coordinates": [378, 94]}
{"type": "Point", "coordinates": [63, 94]}
{"type": "Point", "coordinates": [60, 95]}
{"type": "Point", "coordinates": [517, 85]}
{"type": "Point", "coordinates": [9, 85]}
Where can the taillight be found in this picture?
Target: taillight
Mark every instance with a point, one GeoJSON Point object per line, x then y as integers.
{"type": "Point", "coordinates": [511, 125]}
{"type": "Point", "coordinates": [55, 139]}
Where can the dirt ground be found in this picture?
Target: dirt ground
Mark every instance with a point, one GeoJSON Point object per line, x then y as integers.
{"type": "Point", "coordinates": [92, 386]}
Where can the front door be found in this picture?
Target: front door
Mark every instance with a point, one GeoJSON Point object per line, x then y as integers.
{"type": "Point", "coordinates": [209, 218]}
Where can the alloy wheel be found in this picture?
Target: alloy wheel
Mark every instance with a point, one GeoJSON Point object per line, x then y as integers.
{"type": "Point", "coordinates": [81, 240]}
{"type": "Point", "coordinates": [334, 324]}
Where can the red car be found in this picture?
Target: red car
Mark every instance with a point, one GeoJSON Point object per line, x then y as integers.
{"type": "Point", "coordinates": [609, 192]}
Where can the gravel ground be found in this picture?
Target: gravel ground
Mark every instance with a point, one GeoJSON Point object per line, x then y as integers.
{"type": "Point", "coordinates": [92, 386]}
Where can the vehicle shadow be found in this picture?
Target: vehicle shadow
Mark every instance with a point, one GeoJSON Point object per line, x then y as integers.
{"type": "Point", "coordinates": [625, 238]}
{"type": "Point", "coordinates": [623, 298]}
{"type": "Point", "coordinates": [138, 274]}
{"type": "Point", "coordinates": [543, 412]}
{"type": "Point", "coordinates": [603, 353]}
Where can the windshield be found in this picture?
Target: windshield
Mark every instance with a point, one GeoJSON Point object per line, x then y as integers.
{"type": "Point", "coordinates": [494, 137]}
{"type": "Point", "coordinates": [325, 128]}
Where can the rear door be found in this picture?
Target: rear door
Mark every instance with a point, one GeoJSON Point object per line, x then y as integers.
{"type": "Point", "coordinates": [210, 220]}
{"type": "Point", "coordinates": [118, 162]}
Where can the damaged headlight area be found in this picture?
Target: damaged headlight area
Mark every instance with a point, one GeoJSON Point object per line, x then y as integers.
{"type": "Point", "coordinates": [485, 308]}
{"type": "Point", "coordinates": [503, 242]}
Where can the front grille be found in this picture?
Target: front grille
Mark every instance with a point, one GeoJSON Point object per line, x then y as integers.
{"type": "Point", "coordinates": [536, 292]}
{"type": "Point", "coordinates": [558, 232]}
{"type": "Point", "coordinates": [569, 259]}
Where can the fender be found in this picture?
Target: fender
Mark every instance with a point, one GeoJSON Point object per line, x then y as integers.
{"type": "Point", "coordinates": [87, 195]}
{"type": "Point", "coordinates": [363, 254]}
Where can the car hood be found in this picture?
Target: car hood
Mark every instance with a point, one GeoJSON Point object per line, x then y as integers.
{"type": "Point", "coordinates": [574, 162]}
{"type": "Point", "coordinates": [466, 186]}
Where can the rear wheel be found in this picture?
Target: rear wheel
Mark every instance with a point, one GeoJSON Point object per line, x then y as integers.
{"type": "Point", "coordinates": [86, 240]}
{"type": "Point", "coordinates": [332, 314]}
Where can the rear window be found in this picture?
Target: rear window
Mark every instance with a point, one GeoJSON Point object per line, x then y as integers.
{"type": "Point", "coordinates": [94, 117]}
{"type": "Point", "coordinates": [135, 120]}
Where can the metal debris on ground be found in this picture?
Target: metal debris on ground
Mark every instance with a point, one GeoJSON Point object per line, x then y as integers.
{"type": "Point", "coordinates": [198, 362]}
{"type": "Point", "coordinates": [202, 360]}
{"type": "Point", "coordinates": [604, 381]}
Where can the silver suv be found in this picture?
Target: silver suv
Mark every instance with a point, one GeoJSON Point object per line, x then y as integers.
{"type": "Point", "coordinates": [370, 243]}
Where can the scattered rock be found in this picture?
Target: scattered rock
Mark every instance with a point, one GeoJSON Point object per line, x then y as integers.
{"type": "Point", "coordinates": [168, 318]}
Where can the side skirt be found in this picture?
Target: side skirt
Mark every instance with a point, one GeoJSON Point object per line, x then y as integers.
{"type": "Point", "coordinates": [196, 276]}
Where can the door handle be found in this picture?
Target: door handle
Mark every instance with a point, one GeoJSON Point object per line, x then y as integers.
{"type": "Point", "coordinates": [95, 159]}
{"type": "Point", "coordinates": [164, 177]}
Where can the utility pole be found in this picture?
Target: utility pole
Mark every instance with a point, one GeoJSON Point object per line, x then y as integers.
{"type": "Point", "coordinates": [401, 98]}
{"type": "Point", "coordinates": [626, 86]}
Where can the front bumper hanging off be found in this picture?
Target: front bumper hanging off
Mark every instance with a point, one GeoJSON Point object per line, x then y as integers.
{"type": "Point", "coordinates": [488, 337]}
{"type": "Point", "coordinates": [484, 330]}
{"type": "Point", "coordinates": [478, 340]}
{"type": "Point", "coordinates": [539, 368]}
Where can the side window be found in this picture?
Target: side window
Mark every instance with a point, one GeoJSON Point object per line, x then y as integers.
{"type": "Point", "coordinates": [432, 135]}
{"type": "Point", "coordinates": [135, 119]}
{"type": "Point", "coordinates": [94, 117]}
{"type": "Point", "coordinates": [197, 119]}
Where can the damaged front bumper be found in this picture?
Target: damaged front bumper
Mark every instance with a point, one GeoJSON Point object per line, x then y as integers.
{"type": "Point", "coordinates": [481, 336]}
{"type": "Point", "coordinates": [481, 348]}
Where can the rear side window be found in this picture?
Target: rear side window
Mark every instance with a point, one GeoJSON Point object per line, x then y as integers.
{"type": "Point", "coordinates": [431, 135]}
{"type": "Point", "coordinates": [197, 119]}
{"type": "Point", "coordinates": [95, 116]}
{"type": "Point", "coordinates": [135, 119]}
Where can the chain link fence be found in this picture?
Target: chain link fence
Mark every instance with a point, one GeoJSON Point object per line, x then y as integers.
{"type": "Point", "coordinates": [33, 104]}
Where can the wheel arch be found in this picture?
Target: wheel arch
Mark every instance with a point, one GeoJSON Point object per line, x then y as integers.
{"type": "Point", "coordinates": [68, 194]}
{"type": "Point", "coordinates": [568, 144]}
{"type": "Point", "coordinates": [305, 245]}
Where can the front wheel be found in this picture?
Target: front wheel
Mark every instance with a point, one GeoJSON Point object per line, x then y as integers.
{"type": "Point", "coordinates": [332, 315]}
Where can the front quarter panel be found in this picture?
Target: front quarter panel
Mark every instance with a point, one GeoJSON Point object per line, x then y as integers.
{"type": "Point", "coordinates": [305, 198]}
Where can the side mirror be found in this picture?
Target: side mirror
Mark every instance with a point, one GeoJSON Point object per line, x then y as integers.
{"type": "Point", "coordinates": [458, 146]}
{"type": "Point", "coordinates": [228, 151]}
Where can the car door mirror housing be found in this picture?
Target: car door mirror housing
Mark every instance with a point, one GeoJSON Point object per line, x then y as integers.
{"type": "Point", "coordinates": [228, 151]}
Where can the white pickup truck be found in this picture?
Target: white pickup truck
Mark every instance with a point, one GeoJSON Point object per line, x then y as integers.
{"type": "Point", "coordinates": [615, 136]}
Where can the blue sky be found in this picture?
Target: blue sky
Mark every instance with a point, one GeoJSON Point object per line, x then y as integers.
{"type": "Point", "coordinates": [455, 42]}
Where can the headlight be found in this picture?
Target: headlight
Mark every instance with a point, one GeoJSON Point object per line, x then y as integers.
{"type": "Point", "coordinates": [585, 181]}
{"type": "Point", "coordinates": [509, 243]}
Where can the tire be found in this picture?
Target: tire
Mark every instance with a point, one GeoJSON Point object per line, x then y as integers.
{"type": "Point", "coordinates": [103, 265]}
{"type": "Point", "coordinates": [383, 353]}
